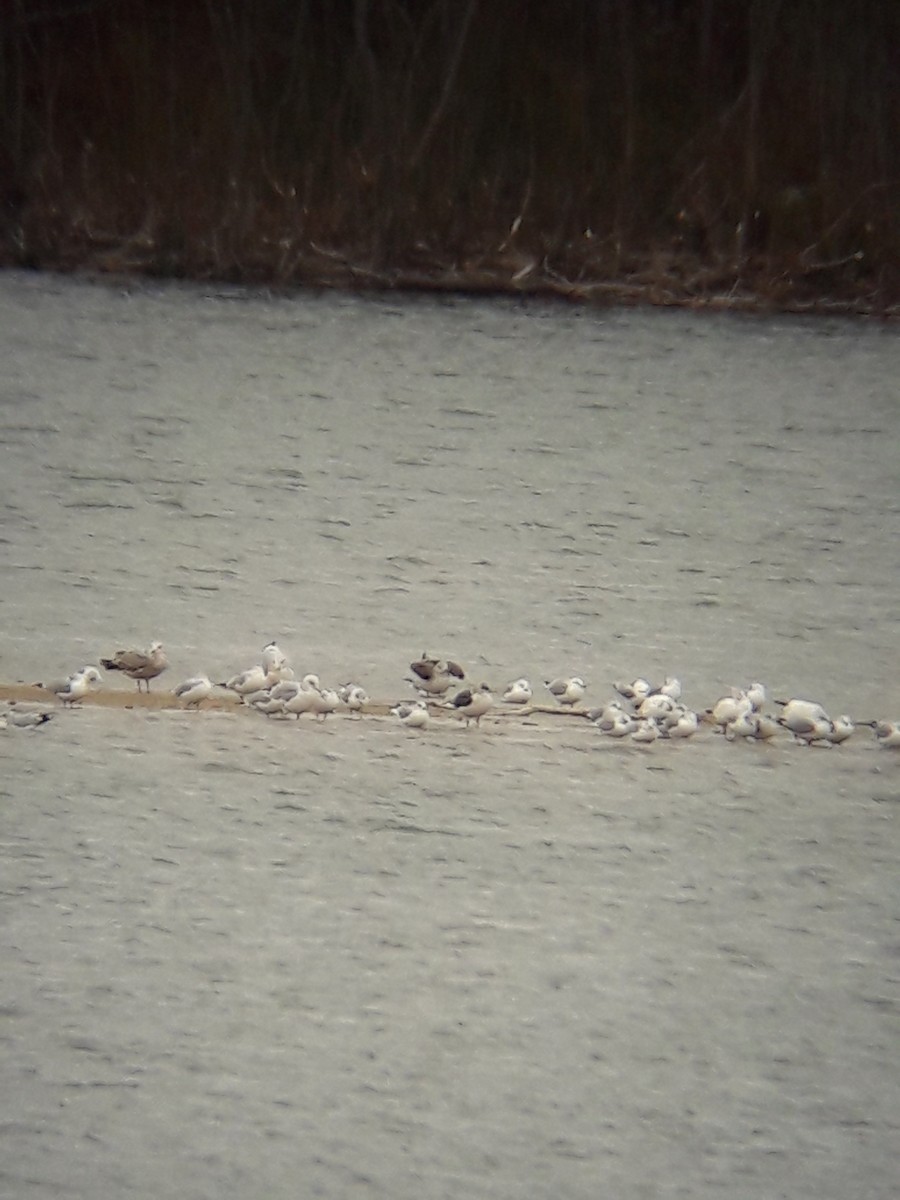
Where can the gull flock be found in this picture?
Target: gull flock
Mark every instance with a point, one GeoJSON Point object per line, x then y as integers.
{"type": "Point", "coordinates": [639, 711]}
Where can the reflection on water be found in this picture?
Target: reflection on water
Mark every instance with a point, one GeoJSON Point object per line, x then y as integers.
{"type": "Point", "coordinates": [239, 953]}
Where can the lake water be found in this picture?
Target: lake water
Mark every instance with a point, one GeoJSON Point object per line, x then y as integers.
{"type": "Point", "coordinates": [245, 958]}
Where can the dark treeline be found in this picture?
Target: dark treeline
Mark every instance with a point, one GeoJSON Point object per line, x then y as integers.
{"type": "Point", "coordinates": [667, 150]}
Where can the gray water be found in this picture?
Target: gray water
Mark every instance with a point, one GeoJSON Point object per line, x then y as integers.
{"type": "Point", "coordinates": [249, 958]}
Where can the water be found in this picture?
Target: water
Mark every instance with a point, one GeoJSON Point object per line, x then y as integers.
{"type": "Point", "coordinates": [244, 958]}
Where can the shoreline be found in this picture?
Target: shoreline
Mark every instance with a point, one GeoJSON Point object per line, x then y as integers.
{"type": "Point", "coordinates": [223, 701]}
{"type": "Point", "coordinates": [682, 284]}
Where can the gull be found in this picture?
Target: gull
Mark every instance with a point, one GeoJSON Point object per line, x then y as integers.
{"type": "Point", "coordinates": [434, 677]}
{"type": "Point", "coordinates": [254, 679]}
{"type": "Point", "coordinates": [806, 720]}
{"type": "Point", "coordinates": [728, 708]}
{"type": "Point", "coordinates": [354, 697]}
{"type": "Point", "coordinates": [685, 725]}
{"type": "Point", "coordinates": [620, 726]}
{"type": "Point", "coordinates": [604, 718]}
{"type": "Point", "coordinates": [756, 694]}
{"type": "Point", "coordinates": [265, 702]}
{"type": "Point", "coordinates": [806, 708]}
{"type": "Point", "coordinates": [192, 692]}
{"type": "Point", "coordinates": [138, 664]}
{"type": "Point", "coordinates": [670, 687]}
{"type": "Point", "coordinates": [518, 692]}
{"type": "Point", "coordinates": [472, 704]}
{"type": "Point", "coordinates": [841, 728]}
{"type": "Point", "coordinates": [76, 687]}
{"type": "Point", "coordinates": [325, 701]}
{"type": "Point", "coordinates": [298, 698]}
{"type": "Point", "coordinates": [752, 726]}
{"type": "Point", "coordinates": [647, 731]}
{"type": "Point", "coordinates": [887, 734]}
{"type": "Point", "coordinates": [566, 691]}
{"type": "Point", "coordinates": [26, 718]}
{"type": "Point", "coordinates": [657, 704]}
{"type": "Point", "coordinates": [414, 715]}
{"type": "Point", "coordinates": [638, 690]}
{"type": "Point", "coordinates": [273, 659]}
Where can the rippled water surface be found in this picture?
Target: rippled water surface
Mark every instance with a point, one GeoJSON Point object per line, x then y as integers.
{"type": "Point", "coordinates": [246, 958]}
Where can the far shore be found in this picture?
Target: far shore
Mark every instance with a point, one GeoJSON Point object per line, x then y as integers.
{"type": "Point", "coordinates": [683, 284]}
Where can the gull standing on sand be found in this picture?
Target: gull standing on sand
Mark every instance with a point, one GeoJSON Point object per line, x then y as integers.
{"type": "Point", "coordinates": [472, 704]}
{"type": "Point", "coordinates": [138, 664]}
{"type": "Point", "coordinates": [254, 679]}
{"type": "Point", "coordinates": [567, 692]}
{"type": "Point", "coordinates": [194, 691]}
{"type": "Point", "coordinates": [76, 687]}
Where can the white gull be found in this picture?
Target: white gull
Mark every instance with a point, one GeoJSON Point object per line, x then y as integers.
{"type": "Point", "coordinates": [518, 692]}
{"type": "Point", "coordinates": [273, 659]}
{"type": "Point", "coordinates": [472, 704]}
{"type": "Point", "coordinates": [77, 686]}
{"type": "Point", "coordinates": [566, 691]}
{"type": "Point", "coordinates": [26, 718]}
{"type": "Point", "coordinates": [192, 692]}
{"type": "Point", "coordinates": [887, 734]}
{"type": "Point", "coordinates": [414, 715]}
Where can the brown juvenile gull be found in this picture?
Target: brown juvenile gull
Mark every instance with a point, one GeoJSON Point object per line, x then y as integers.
{"type": "Point", "coordinates": [138, 664]}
